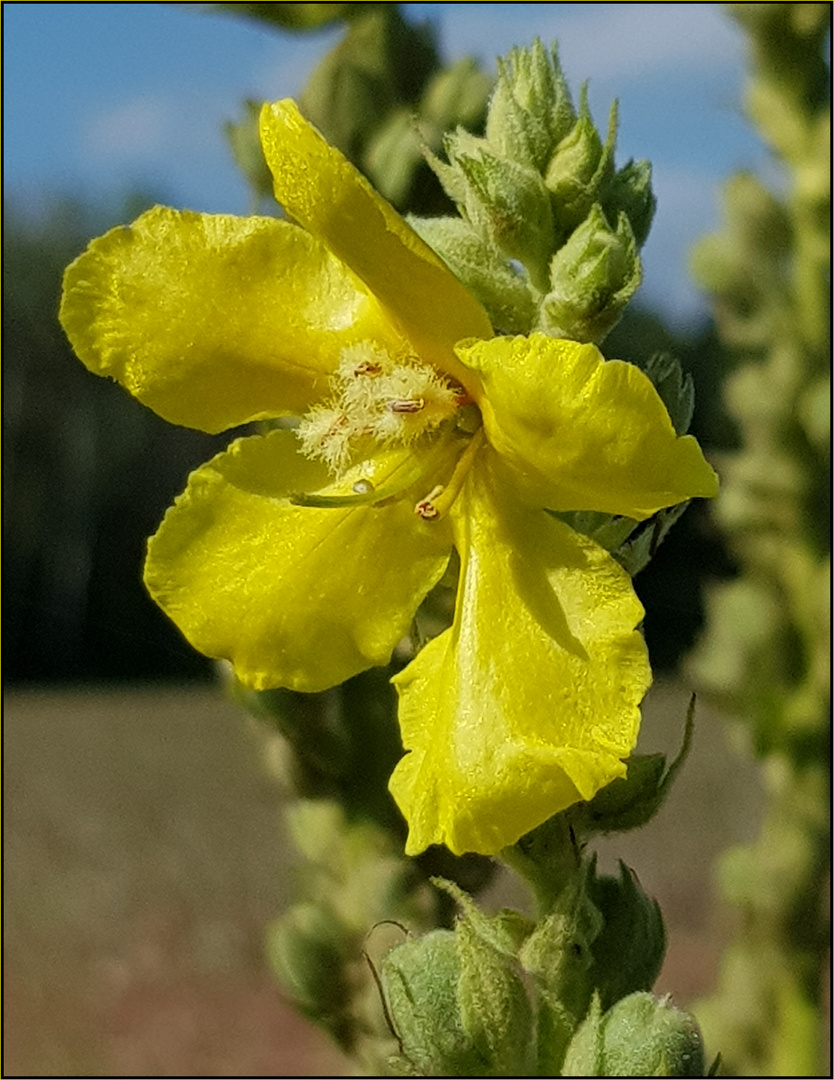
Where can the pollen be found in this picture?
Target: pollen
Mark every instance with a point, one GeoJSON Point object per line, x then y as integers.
{"type": "Point", "coordinates": [377, 399]}
{"type": "Point", "coordinates": [325, 433]}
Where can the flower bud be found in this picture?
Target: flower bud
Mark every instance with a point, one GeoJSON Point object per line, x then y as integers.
{"type": "Point", "coordinates": [306, 949]}
{"type": "Point", "coordinates": [506, 203]}
{"type": "Point", "coordinates": [455, 95]}
{"type": "Point", "coordinates": [639, 1036]}
{"type": "Point", "coordinates": [297, 16]}
{"type": "Point", "coordinates": [558, 952]}
{"type": "Point", "coordinates": [531, 108]}
{"type": "Point", "coordinates": [629, 951]}
{"type": "Point", "coordinates": [457, 1000]}
{"type": "Point", "coordinates": [394, 155]}
{"type": "Point", "coordinates": [579, 168]}
{"type": "Point", "coordinates": [558, 956]}
{"type": "Point", "coordinates": [629, 191]}
{"type": "Point", "coordinates": [485, 272]}
{"type": "Point", "coordinates": [593, 276]}
{"type": "Point", "coordinates": [494, 1007]}
{"type": "Point", "coordinates": [421, 986]}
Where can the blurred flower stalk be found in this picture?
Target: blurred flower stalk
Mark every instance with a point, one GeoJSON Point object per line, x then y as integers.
{"type": "Point", "coordinates": [766, 655]}
{"type": "Point", "coordinates": [428, 546]}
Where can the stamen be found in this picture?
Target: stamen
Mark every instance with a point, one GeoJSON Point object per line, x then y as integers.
{"type": "Point", "coordinates": [426, 508]}
{"type": "Point", "coordinates": [333, 502]}
{"type": "Point", "coordinates": [413, 405]}
{"type": "Point", "coordinates": [439, 499]}
{"type": "Point", "coordinates": [367, 367]}
{"type": "Point", "coordinates": [376, 397]}
{"type": "Point", "coordinates": [365, 492]}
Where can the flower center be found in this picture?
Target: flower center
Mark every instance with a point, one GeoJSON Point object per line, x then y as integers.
{"type": "Point", "coordinates": [376, 400]}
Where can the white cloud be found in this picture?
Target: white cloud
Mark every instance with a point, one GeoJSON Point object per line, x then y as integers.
{"type": "Point", "coordinates": [291, 64]}
{"type": "Point", "coordinates": [171, 144]}
{"type": "Point", "coordinates": [601, 41]}
{"type": "Point", "coordinates": [130, 132]}
{"type": "Point", "coordinates": [622, 41]}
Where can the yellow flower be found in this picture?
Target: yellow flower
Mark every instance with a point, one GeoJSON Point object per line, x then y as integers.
{"type": "Point", "coordinates": [302, 556]}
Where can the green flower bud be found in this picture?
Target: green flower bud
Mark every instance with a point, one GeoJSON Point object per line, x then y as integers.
{"type": "Point", "coordinates": [593, 276]}
{"type": "Point", "coordinates": [491, 1010]}
{"type": "Point", "coordinates": [629, 951]}
{"type": "Point", "coordinates": [639, 1036]}
{"type": "Point", "coordinates": [579, 168]}
{"type": "Point", "coordinates": [484, 271]}
{"type": "Point", "coordinates": [629, 192]}
{"type": "Point", "coordinates": [393, 155]}
{"type": "Point", "coordinates": [307, 949]}
{"type": "Point", "coordinates": [494, 1008]}
{"type": "Point", "coordinates": [455, 96]}
{"type": "Point", "coordinates": [380, 64]}
{"type": "Point", "coordinates": [506, 203]}
{"type": "Point", "coordinates": [531, 109]}
{"type": "Point", "coordinates": [558, 952]}
{"type": "Point", "coordinates": [421, 985]}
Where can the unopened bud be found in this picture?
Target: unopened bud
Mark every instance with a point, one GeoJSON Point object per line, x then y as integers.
{"type": "Point", "coordinates": [639, 1036]}
{"type": "Point", "coordinates": [629, 951]}
{"type": "Point", "coordinates": [531, 108]}
{"type": "Point", "coordinates": [485, 272]}
{"type": "Point", "coordinates": [306, 949]}
{"type": "Point", "coordinates": [507, 203]}
{"type": "Point", "coordinates": [629, 192]}
{"type": "Point", "coordinates": [421, 986]}
{"type": "Point", "coordinates": [580, 166]}
{"type": "Point", "coordinates": [593, 276]}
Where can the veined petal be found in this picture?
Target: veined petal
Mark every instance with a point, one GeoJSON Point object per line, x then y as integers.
{"type": "Point", "coordinates": [293, 596]}
{"type": "Point", "coordinates": [316, 184]}
{"type": "Point", "coordinates": [530, 701]}
{"type": "Point", "coordinates": [586, 433]}
{"type": "Point", "coordinates": [214, 320]}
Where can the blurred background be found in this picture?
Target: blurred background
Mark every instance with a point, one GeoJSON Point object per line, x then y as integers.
{"type": "Point", "coordinates": [144, 852]}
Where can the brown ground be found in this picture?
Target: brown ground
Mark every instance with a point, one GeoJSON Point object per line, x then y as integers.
{"type": "Point", "coordinates": [144, 855]}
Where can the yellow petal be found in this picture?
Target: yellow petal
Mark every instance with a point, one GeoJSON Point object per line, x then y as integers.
{"type": "Point", "coordinates": [293, 596]}
{"type": "Point", "coordinates": [214, 320]}
{"type": "Point", "coordinates": [323, 192]}
{"type": "Point", "coordinates": [585, 433]}
{"type": "Point", "coordinates": [530, 701]}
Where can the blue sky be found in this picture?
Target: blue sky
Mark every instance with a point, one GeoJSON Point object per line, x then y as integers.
{"type": "Point", "coordinates": [100, 98]}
